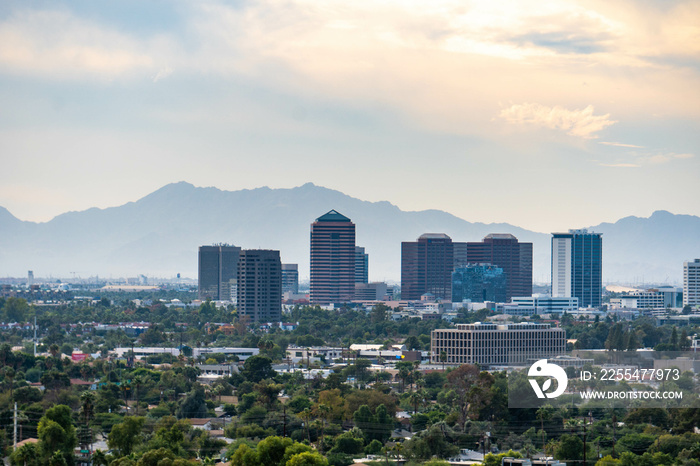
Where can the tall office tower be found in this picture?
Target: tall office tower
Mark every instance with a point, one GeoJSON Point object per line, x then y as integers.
{"type": "Point", "coordinates": [332, 259]}
{"type": "Point", "coordinates": [505, 251]}
{"type": "Point", "coordinates": [426, 267]}
{"type": "Point", "coordinates": [290, 278]}
{"type": "Point", "coordinates": [577, 266]}
{"type": "Point", "coordinates": [691, 282]}
{"type": "Point", "coordinates": [460, 254]}
{"type": "Point", "coordinates": [260, 285]}
{"type": "Point", "coordinates": [361, 265]}
{"type": "Point", "coordinates": [479, 283]}
{"type": "Point", "coordinates": [218, 265]}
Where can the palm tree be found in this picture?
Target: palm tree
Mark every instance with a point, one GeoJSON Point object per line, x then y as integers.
{"type": "Point", "coordinates": [99, 458]}
{"type": "Point", "coordinates": [306, 417]}
{"type": "Point", "coordinates": [87, 409]}
{"type": "Point", "coordinates": [10, 374]}
{"type": "Point", "coordinates": [443, 359]}
{"type": "Point", "coordinates": [544, 413]}
{"type": "Point", "coordinates": [27, 453]}
{"type": "Point", "coordinates": [54, 350]}
{"type": "Point", "coordinates": [529, 450]}
{"type": "Point", "coordinates": [415, 399]}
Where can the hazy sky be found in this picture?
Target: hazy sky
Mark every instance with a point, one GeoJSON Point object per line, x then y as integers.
{"type": "Point", "coordinates": [547, 115]}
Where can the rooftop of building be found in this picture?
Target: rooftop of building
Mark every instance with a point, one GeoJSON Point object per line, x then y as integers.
{"type": "Point", "coordinates": [500, 236]}
{"type": "Point", "coordinates": [580, 231]}
{"type": "Point", "coordinates": [333, 216]}
{"type": "Point", "coordinates": [426, 236]}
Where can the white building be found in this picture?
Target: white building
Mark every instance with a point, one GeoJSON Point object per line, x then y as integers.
{"type": "Point", "coordinates": [539, 304]}
{"type": "Point", "coordinates": [493, 344]}
{"type": "Point", "coordinates": [310, 354]}
{"type": "Point", "coordinates": [653, 298]}
{"type": "Point", "coordinates": [691, 282]}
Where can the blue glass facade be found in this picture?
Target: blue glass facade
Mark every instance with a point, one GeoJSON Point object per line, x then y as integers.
{"type": "Point", "coordinates": [479, 283]}
{"type": "Point", "coordinates": [587, 268]}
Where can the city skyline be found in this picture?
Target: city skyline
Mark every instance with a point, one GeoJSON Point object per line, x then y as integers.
{"type": "Point", "coordinates": [549, 115]}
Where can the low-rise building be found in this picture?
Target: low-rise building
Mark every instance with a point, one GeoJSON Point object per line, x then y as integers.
{"type": "Point", "coordinates": [490, 344]}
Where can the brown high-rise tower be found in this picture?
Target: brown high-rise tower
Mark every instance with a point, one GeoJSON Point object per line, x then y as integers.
{"type": "Point", "coordinates": [332, 259]}
{"type": "Point", "coordinates": [503, 250]}
{"type": "Point", "coordinates": [426, 267]}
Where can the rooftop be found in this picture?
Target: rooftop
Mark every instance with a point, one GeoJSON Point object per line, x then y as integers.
{"type": "Point", "coordinates": [333, 216]}
{"type": "Point", "coordinates": [500, 236]}
{"type": "Point", "coordinates": [433, 236]}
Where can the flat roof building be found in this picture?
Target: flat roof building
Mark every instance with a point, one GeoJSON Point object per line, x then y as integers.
{"type": "Point", "coordinates": [218, 266]}
{"type": "Point", "coordinates": [489, 344]}
{"type": "Point", "coordinates": [260, 285]}
{"type": "Point", "coordinates": [426, 267]}
{"type": "Point", "coordinates": [577, 266]}
{"type": "Point", "coordinates": [691, 282]}
{"type": "Point", "coordinates": [505, 251]}
{"type": "Point", "coordinates": [290, 278]}
{"type": "Point", "coordinates": [361, 265]}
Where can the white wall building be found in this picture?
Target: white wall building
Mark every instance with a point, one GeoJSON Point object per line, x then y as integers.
{"type": "Point", "coordinates": [492, 344]}
{"type": "Point", "coordinates": [541, 304]}
{"type": "Point", "coordinates": [691, 282]}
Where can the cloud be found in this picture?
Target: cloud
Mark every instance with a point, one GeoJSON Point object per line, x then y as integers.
{"type": "Point", "coordinates": [162, 74]}
{"type": "Point", "coordinates": [619, 144]}
{"type": "Point", "coordinates": [58, 44]}
{"type": "Point", "coordinates": [620, 165]}
{"type": "Point", "coordinates": [581, 123]}
{"type": "Point", "coordinates": [665, 158]}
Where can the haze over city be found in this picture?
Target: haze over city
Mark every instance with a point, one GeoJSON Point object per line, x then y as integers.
{"type": "Point", "coordinates": [546, 116]}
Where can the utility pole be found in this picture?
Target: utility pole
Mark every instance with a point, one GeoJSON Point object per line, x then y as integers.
{"type": "Point", "coordinates": [584, 443]}
{"type": "Point", "coordinates": [284, 420]}
{"type": "Point", "coordinates": [15, 430]}
{"type": "Point", "coordinates": [614, 421]}
{"type": "Point", "coordinates": [35, 335]}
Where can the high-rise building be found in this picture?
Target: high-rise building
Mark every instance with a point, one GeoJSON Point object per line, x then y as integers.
{"type": "Point", "coordinates": [426, 267]}
{"type": "Point", "coordinates": [691, 282]}
{"type": "Point", "coordinates": [479, 283]}
{"type": "Point", "coordinates": [218, 265]}
{"type": "Point", "coordinates": [332, 259]}
{"type": "Point", "coordinates": [290, 278]}
{"type": "Point", "coordinates": [260, 285]}
{"type": "Point", "coordinates": [505, 251]}
{"type": "Point", "coordinates": [361, 265]}
{"type": "Point", "coordinates": [577, 266]}
{"type": "Point", "coordinates": [460, 254]}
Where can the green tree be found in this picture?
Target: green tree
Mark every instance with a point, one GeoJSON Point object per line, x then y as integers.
{"type": "Point", "coordinates": [125, 435]}
{"type": "Point", "coordinates": [194, 404]}
{"type": "Point", "coordinates": [257, 368]}
{"type": "Point", "coordinates": [271, 449]}
{"type": "Point", "coordinates": [307, 458]}
{"type": "Point", "coordinates": [56, 434]}
{"type": "Point", "coordinates": [438, 441]}
{"type": "Point", "coordinates": [570, 447]}
{"type": "Point", "coordinates": [379, 313]}
{"type": "Point", "coordinates": [26, 455]}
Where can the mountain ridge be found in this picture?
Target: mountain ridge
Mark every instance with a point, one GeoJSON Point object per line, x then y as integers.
{"type": "Point", "coordinates": [158, 234]}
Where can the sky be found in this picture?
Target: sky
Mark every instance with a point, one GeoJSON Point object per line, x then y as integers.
{"type": "Point", "coordinates": [547, 115]}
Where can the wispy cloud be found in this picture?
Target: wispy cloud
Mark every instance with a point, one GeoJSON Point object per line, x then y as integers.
{"type": "Point", "coordinates": [58, 44]}
{"type": "Point", "coordinates": [666, 157]}
{"type": "Point", "coordinates": [619, 144]}
{"type": "Point", "coordinates": [620, 165]}
{"type": "Point", "coordinates": [580, 122]}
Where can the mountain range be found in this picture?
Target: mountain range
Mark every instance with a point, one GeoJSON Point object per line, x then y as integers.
{"type": "Point", "coordinates": [159, 234]}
